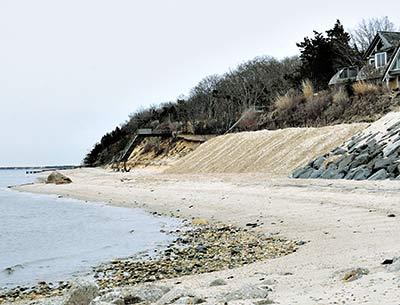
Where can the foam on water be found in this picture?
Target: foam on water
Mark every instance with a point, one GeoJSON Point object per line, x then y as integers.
{"type": "Point", "coordinates": [45, 238]}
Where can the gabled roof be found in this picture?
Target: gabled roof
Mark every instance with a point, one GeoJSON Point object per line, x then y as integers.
{"type": "Point", "coordinates": [391, 62]}
{"type": "Point", "coordinates": [389, 40]}
{"type": "Point", "coordinates": [391, 37]}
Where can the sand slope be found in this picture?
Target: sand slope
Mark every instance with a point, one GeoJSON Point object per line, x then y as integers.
{"type": "Point", "coordinates": [276, 152]}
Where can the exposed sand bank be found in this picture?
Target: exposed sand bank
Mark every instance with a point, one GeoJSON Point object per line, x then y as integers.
{"type": "Point", "coordinates": [273, 152]}
{"type": "Point", "coordinates": [345, 225]}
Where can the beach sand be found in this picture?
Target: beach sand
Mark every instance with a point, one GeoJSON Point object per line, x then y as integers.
{"type": "Point", "coordinates": [344, 225]}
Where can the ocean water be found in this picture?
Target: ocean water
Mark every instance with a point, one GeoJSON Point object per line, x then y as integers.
{"type": "Point", "coordinates": [46, 238]}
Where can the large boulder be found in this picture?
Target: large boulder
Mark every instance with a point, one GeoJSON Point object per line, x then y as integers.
{"type": "Point", "coordinates": [379, 175]}
{"type": "Point", "coordinates": [81, 293]}
{"type": "Point", "coordinates": [58, 178]}
{"type": "Point", "coordinates": [132, 295]}
{"type": "Point", "coordinates": [247, 292]}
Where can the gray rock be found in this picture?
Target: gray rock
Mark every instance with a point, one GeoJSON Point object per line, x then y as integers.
{"type": "Point", "coordinates": [318, 162]}
{"type": "Point", "coordinates": [316, 174]}
{"type": "Point", "coordinates": [307, 173]}
{"type": "Point", "coordinates": [298, 173]}
{"type": "Point", "coordinates": [338, 151]}
{"type": "Point", "coordinates": [360, 160]}
{"type": "Point", "coordinates": [217, 282]}
{"type": "Point", "coordinates": [394, 127]}
{"type": "Point", "coordinates": [246, 292]}
{"type": "Point", "coordinates": [392, 169]}
{"type": "Point", "coordinates": [384, 162]}
{"type": "Point", "coordinates": [58, 178]}
{"type": "Point", "coordinates": [379, 175]}
{"type": "Point", "coordinates": [149, 293]}
{"type": "Point", "coordinates": [263, 302]}
{"type": "Point", "coordinates": [391, 148]}
{"type": "Point", "coordinates": [359, 173]}
{"type": "Point", "coordinates": [81, 293]}
{"type": "Point", "coordinates": [330, 173]}
{"type": "Point", "coordinates": [345, 162]}
{"type": "Point", "coordinates": [190, 300]}
{"type": "Point", "coordinates": [354, 274]}
{"type": "Point", "coordinates": [394, 266]}
{"type": "Point", "coordinates": [176, 294]}
{"type": "Point", "coordinates": [112, 298]}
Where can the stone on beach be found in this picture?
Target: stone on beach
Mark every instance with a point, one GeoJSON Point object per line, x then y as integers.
{"type": "Point", "coordinates": [58, 178]}
{"type": "Point", "coordinates": [246, 292]}
{"type": "Point", "coordinates": [199, 222]}
{"type": "Point", "coordinates": [354, 274]}
{"type": "Point", "coordinates": [81, 293]}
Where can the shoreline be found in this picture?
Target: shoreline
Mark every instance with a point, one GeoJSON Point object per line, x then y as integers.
{"type": "Point", "coordinates": [344, 225]}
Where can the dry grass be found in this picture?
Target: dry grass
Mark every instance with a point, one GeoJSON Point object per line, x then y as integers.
{"type": "Point", "coordinates": [285, 102]}
{"type": "Point", "coordinates": [340, 96]}
{"type": "Point", "coordinates": [307, 89]}
{"type": "Point", "coordinates": [363, 88]}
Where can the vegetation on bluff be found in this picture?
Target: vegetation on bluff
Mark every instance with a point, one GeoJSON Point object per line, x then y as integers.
{"type": "Point", "coordinates": [266, 93]}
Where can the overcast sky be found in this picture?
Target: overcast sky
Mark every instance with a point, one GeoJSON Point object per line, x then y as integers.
{"type": "Point", "coordinates": [71, 70]}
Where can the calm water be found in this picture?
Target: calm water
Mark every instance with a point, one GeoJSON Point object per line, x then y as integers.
{"type": "Point", "coordinates": [47, 238]}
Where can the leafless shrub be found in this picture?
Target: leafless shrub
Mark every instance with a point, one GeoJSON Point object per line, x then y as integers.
{"type": "Point", "coordinates": [315, 107]}
{"type": "Point", "coordinates": [366, 30]}
{"type": "Point", "coordinates": [249, 120]}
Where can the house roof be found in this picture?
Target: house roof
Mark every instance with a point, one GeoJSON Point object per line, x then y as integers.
{"type": "Point", "coordinates": [389, 39]}
{"type": "Point", "coordinates": [391, 61]}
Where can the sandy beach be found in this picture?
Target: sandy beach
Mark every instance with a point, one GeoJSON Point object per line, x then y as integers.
{"type": "Point", "coordinates": [342, 226]}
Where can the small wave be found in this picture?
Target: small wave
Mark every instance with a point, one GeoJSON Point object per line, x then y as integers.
{"type": "Point", "coordinates": [10, 270]}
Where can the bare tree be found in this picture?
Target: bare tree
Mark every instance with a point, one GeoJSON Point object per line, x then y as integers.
{"type": "Point", "coordinates": [366, 30]}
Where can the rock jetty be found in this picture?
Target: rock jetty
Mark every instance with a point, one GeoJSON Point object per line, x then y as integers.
{"type": "Point", "coordinates": [372, 154]}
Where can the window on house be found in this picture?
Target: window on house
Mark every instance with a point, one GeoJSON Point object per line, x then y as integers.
{"type": "Point", "coordinates": [397, 64]}
{"type": "Point", "coordinates": [353, 72]}
{"type": "Point", "coordinates": [380, 59]}
{"type": "Point", "coordinates": [344, 74]}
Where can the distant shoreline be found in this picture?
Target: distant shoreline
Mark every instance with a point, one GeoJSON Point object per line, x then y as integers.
{"type": "Point", "coordinates": [44, 168]}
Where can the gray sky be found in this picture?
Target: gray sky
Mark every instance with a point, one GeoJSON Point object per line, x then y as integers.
{"type": "Point", "coordinates": [71, 70]}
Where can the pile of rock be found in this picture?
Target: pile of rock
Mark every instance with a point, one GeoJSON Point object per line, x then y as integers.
{"type": "Point", "coordinates": [200, 250]}
{"type": "Point", "coordinates": [42, 289]}
{"type": "Point", "coordinates": [372, 154]}
{"type": "Point", "coordinates": [182, 294]}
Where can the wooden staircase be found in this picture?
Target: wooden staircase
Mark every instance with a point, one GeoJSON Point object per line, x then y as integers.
{"type": "Point", "coordinates": [137, 138]}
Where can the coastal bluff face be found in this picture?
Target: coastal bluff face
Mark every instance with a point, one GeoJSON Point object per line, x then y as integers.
{"type": "Point", "coordinates": [372, 154]}
{"type": "Point", "coordinates": [274, 152]}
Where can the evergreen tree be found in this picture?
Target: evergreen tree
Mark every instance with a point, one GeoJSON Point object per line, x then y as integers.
{"type": "Point", "coordinates": [321, 56]}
